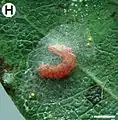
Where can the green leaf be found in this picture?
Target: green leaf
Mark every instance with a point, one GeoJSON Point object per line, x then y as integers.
{"type": "Point", "coordinates": [90, 28]}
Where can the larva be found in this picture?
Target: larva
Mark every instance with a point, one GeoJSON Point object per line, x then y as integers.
{"type": "Point", "coordinates": [62, 69]}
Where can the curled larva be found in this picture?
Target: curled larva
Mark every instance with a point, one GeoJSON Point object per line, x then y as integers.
{"type": "Point", "coordinates": [62, 69]}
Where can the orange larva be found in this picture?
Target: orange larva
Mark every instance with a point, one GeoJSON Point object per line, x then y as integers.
{"type": "Point", "coordinates": [62, 69]}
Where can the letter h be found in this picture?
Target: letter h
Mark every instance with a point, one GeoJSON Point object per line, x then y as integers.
{"type": "Point", "coordinates": [6, 9]}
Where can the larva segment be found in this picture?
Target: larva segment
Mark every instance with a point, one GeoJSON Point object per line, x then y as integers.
{"type": "Point", "coordinates": [62, 69]}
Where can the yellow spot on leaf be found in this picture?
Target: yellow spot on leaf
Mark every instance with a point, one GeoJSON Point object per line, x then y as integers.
{"type": "Point", "coordinates": [32, 94]}
{"type": "Point", "coordinates": [90, 38]}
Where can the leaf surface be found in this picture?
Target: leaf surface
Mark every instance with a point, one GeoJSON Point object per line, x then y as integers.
{"type": "Point", "coordinates": [92, 88]}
